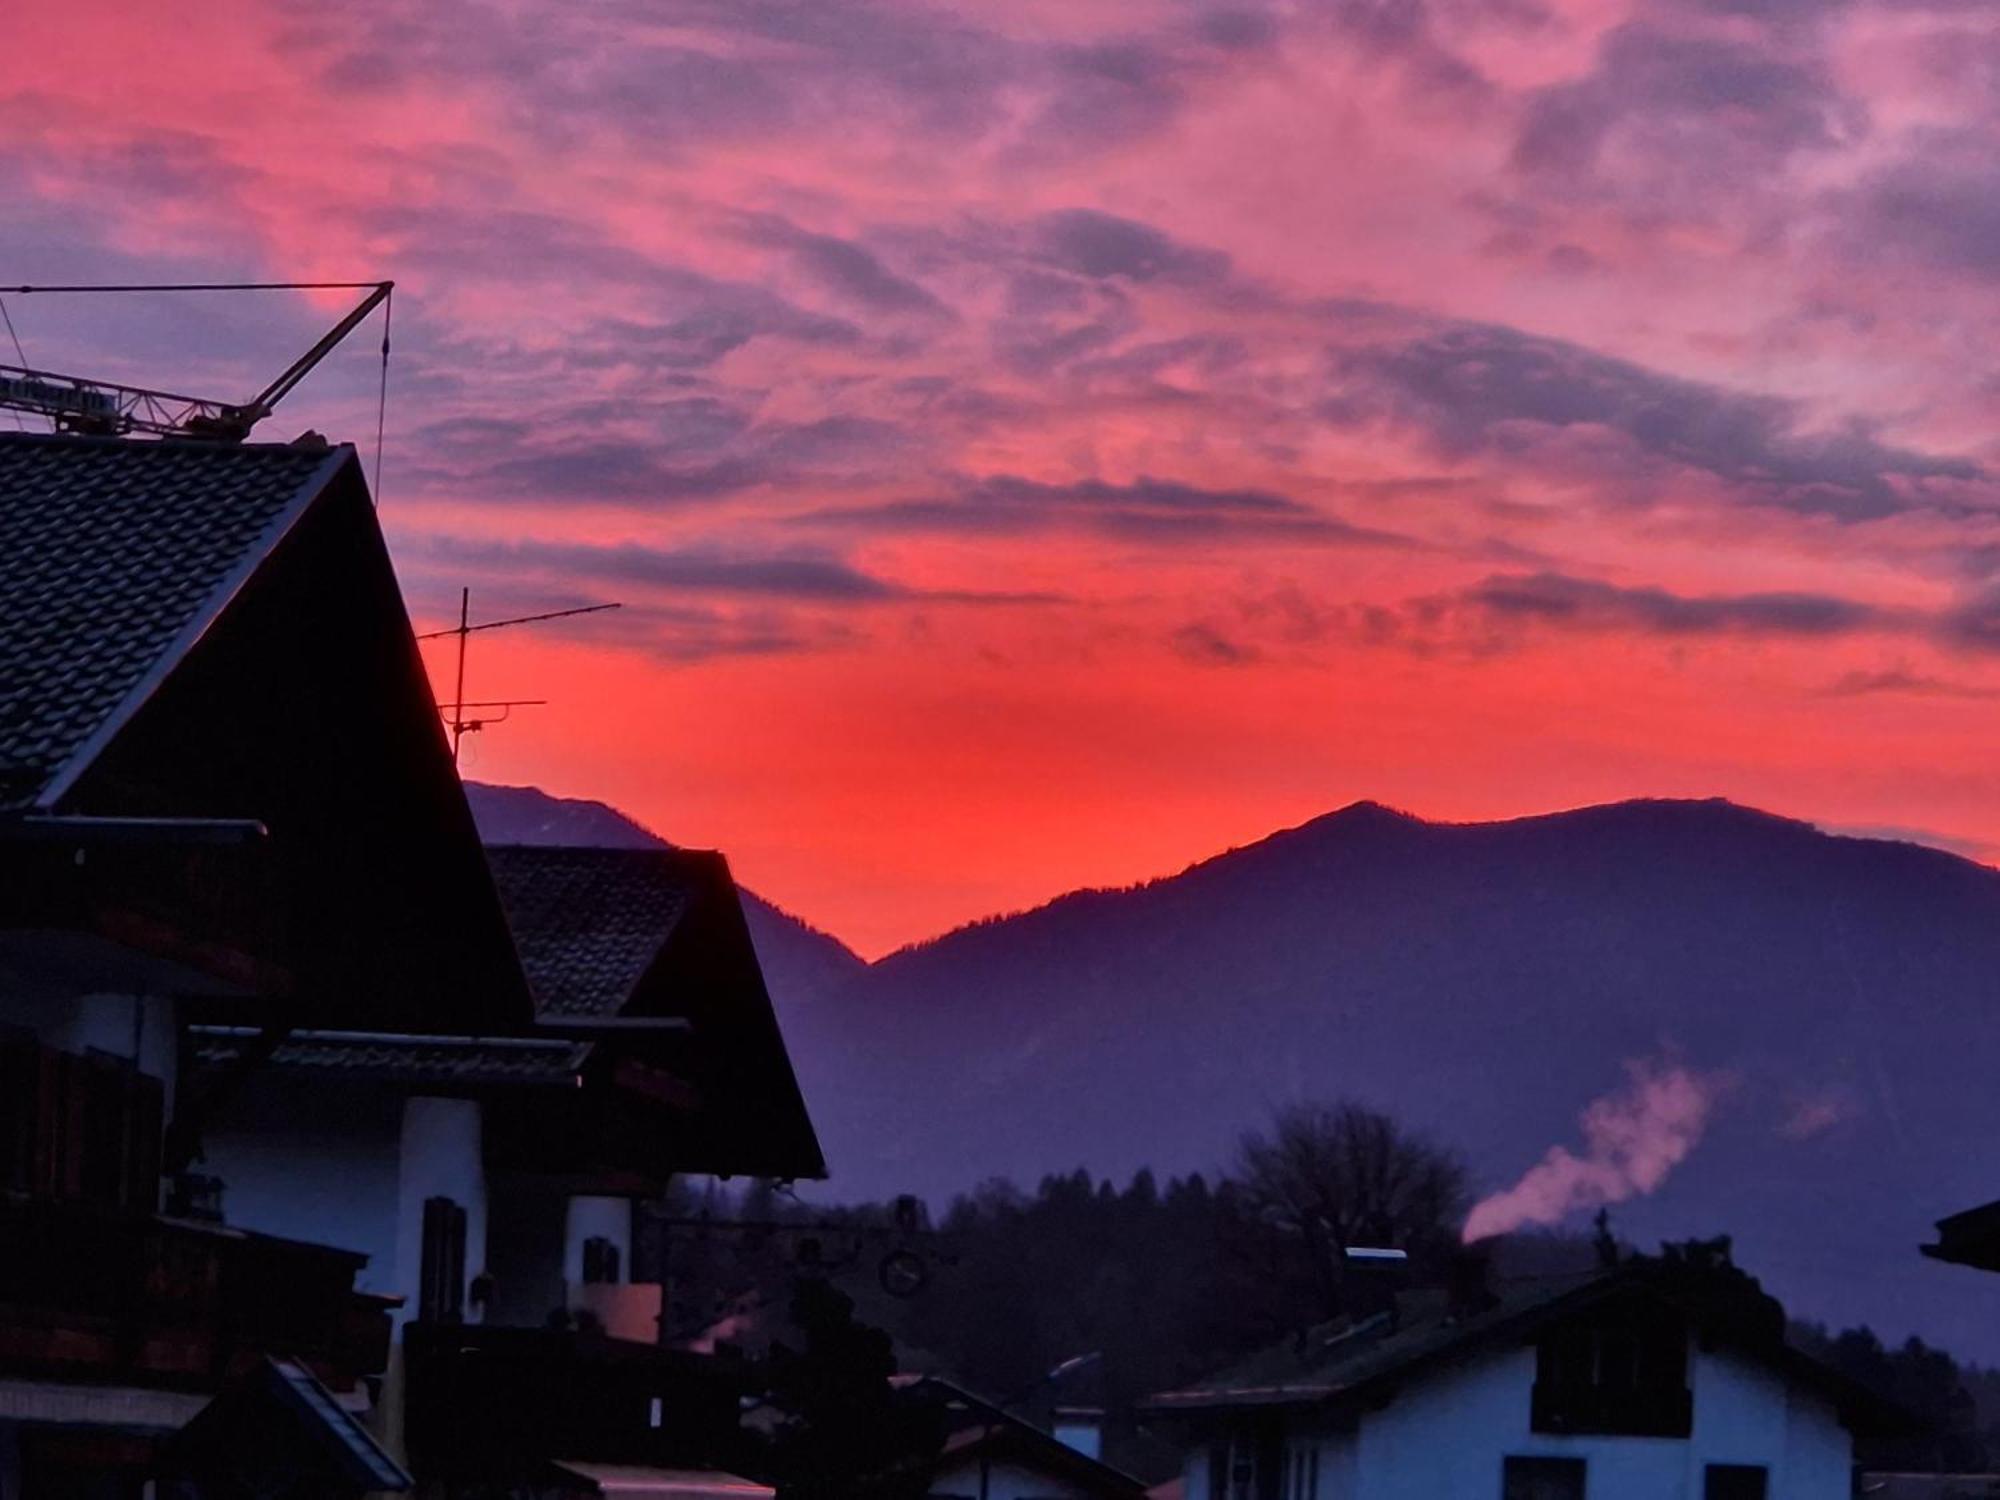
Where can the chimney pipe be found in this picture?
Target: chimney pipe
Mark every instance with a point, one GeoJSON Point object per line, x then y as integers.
{"type": "Point", "coordinates": [1372, 1279]}
{"type": "Point", "coordinates": [1469, 1288]}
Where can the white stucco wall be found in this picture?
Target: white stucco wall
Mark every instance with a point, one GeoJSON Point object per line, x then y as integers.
{"type": "Point", "coordinates": [441, 1156]}
{"type": "Point", "coordinates": [351, 1165]}
{"type": "Point", "coordinates": [1194, 1473]}
{"type": "Point", "coordinates": [313, 1162]}
{"type": "Point", "coordinates": [1449, 1435]}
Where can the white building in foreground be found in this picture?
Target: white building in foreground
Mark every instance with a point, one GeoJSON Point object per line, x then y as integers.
{"type": "Point", "coordinates": [1652, 1380]}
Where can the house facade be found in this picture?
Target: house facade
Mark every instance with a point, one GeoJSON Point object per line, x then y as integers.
{"type": "Point", "coordinates": [492, 1180]}
{"type": "Point", "coordinates": [321, 1124]}
{"type": "Point", "coordinates": [1651, 1381]}
{"type": "Point", "coordinates": [178, 621]}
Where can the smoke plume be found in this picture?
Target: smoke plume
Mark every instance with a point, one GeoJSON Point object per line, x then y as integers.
{"type": "Point", "coordinates": [1632, 1140]}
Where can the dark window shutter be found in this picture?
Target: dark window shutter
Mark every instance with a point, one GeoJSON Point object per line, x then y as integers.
{"type": "Point", "coordinates": [45, 1172]}
{"type": "Point", "coordinates": [1542, 1479]}
{"type": "Point", "coordinates": [600, 1260]}
{"type": "Point", "coordinates": [1735, 1482]}
{"type": "Point", "coordinates": [441, 1295]}
{"type": "Point", "coordinates": [147, 1115]}
{"type": "Point", "coordinates": [101, 1098]}
{"type": "Point", "coordinates": [20, 1085]}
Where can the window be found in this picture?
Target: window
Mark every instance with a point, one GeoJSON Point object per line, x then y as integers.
{"type": "Point", "coordinates": [1735, 1482]}
{"type": "Point", "coordinates": [1622, 1372]}
{"type": "Point", "coordinates": [600, 1260]}
{"type": "Point", "coordinates": [1542, 1479]}
{"type": "Point", "coordinates": [441, 1294]}
{"type": "Point", "coordinates": [1302, 1472]}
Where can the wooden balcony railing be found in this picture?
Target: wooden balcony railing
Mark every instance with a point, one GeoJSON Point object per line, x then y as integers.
{"type": "Point", "coordinates": [90, 1292]}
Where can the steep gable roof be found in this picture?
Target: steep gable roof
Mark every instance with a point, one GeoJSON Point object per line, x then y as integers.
{"type": "Point", "coordinates": [211, 633]}
{"type": "Point", "coordinates": [114, 557]}
{"type": "Point", "coordinates": [588, 923]}
{"type": "Point", "coordinates": [632, 936]}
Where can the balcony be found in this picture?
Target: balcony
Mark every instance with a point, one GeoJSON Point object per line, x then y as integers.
{"type": "Point", "coordinates": [486, 1403]}
{"type": "Point", "coordinates": [1579, 1410]}
{"type": "Point", "coordinates": [89, 1292]}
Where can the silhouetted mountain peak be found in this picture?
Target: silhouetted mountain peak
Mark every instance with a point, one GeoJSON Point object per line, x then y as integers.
{"type": "Point", "coordinates": [529, 815]}
{"type": "Point", "coordinates": [1368, 816]}
{"type": "Point", "coordinates": [800, 961]}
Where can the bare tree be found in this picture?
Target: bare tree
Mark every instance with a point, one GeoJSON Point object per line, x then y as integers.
{"type": "Point", "coordinates": [1340, 1175]}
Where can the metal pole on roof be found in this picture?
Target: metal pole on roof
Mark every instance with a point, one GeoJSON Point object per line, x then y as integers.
{"type": "Point", "coordinates": [459, 725]}
{"type": "Point", "coordinates": [458, 693]}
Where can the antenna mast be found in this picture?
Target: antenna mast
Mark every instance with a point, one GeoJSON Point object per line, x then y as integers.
{"type": "Point", "coordinates": [457, 722]}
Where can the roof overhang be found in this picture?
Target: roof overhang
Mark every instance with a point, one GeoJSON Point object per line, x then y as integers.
{"type": "Point", "coordinates": [297, 699]}
{"type": "Point", "coordinates": [178, 903]}
{"type": "Point", "coordinates": [1971, 1238]}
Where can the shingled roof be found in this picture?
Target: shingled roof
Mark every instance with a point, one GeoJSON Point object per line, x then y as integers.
{"type": "Point", "coordinates": [114, 557]}
{"type": "Point", "coordinates": [636, 936]}
{"type": "Point", "coordinates": [446, 1060]}
{"type": "Point", "coordinates": [1325, 1363]}
{"type": "Point", "coordinates": [199, 634]}
{"type": "Point", "coordinates": [588, 923]}
{"type": "Point", "coordinates": [1353, 1365]}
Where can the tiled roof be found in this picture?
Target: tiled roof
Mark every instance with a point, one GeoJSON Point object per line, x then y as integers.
{"type": "Point", "coordinates": [588, 922]}
{"type": "Point", "coordinates": [410, 1059]}
{"type": "Point", "coordinates": [1358, 1361]}
{"type": "Point", "coordinates": [1327, 1361]}
{"type": "Point", "coordinates": [113, 554]}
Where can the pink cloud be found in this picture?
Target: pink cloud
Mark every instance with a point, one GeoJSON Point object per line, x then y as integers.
{"type": "Point", "coordinates": [1212, 329]}
{"type": "Point", "coordinates": [1813, 1115]}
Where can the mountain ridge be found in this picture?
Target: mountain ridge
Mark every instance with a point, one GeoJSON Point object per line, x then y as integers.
{"type": "Point", "coordinates": [1375, 816]}
{"type": "Point", "coordinates": [1491, 984]}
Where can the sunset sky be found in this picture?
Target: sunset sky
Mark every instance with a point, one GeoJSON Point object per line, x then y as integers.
{"type": "Point", "coordinates": [1044, 443]}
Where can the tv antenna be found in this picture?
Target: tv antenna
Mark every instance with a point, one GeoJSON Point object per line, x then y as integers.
{"type": "Point", "coordinates": [455, 711]}
{"type": "Point", "coordinates": [108, 408]}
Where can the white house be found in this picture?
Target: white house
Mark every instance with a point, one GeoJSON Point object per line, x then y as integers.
{"type": "Point", "coordinates": [224, 800]}
{"type": "Point", "coordinates": [1651, 1380]}
{"type": "Point", "coordinates": [490, 1180]}
{"type": "Point", "coordinates": [400, 1090]}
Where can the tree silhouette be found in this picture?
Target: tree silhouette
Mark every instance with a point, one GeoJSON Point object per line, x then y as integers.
{"type": "Point", "coordinates": [1339, 1175]}
{"type": "Point", "coordinates": [846, 1428]}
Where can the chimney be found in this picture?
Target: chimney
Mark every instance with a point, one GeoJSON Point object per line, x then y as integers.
{"type": "Point", "coordinates": [1469, 1289]}
{"type": "Point", "coordinates": [1081, 1428]}
{"type": "Point", "coordinates": [1371, 1280]}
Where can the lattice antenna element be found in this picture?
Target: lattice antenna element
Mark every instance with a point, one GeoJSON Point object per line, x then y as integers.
{"type": "Point", "coordinates": [455, 712]}
{"type": "Point", "coordinates": [108, 408]}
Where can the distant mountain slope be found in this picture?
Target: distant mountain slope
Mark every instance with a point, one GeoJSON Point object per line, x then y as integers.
{"type": "Point", "coordinates": [1485, 982]}
{"type": "Point", "coordinates": [800, 962]}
